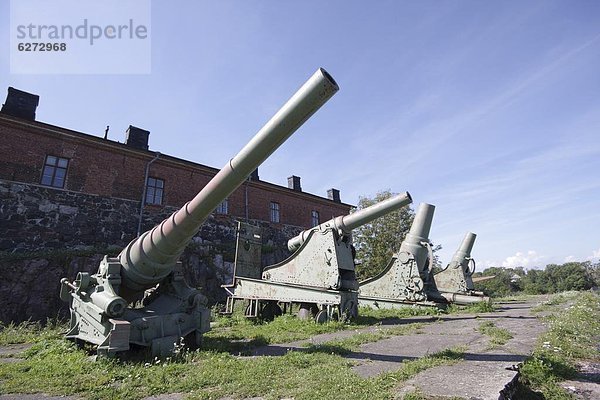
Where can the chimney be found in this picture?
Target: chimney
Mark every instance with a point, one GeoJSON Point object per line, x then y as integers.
{"type": "Point", "coordinates": [20, 104]}
{"type": "Point", "coordinates": [334, 195]}
{"type": "Point", "coordinates": [254, 175]}
{"type": "Point", "coordinates": [137, 137]}
{"type": "Point", "coordinates": [294, 183]}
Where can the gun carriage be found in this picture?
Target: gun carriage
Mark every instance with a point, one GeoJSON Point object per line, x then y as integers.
{"type": "Point", "coordinates": [319, 277]}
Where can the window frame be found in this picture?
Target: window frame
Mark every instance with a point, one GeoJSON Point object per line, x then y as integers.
{"type": "Point", "coordinates": [155, 193]}
{"type": "Point", "coordinates": [223, 207]}
{"type": "Point", "coordinates": [54, 168]}
{"type": "Point", "coordinates": [275, 212]}
{"type": "Point", "coordinates": [315, 218]}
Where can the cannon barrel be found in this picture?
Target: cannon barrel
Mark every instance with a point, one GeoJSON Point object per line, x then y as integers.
{"type": "Point", "coordinates": [148, 259]}
{"type": "Point", "coordinates": [420, 227]}
{"type": "Point", "coordinates": [464, 251]}
{"type": "Point", "coordinates": [346, 223]}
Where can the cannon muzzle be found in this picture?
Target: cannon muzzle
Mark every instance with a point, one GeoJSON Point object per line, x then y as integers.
{"type": "Point", "coordinates": [148, 259]}
{"type": "Point", "coordinates": [346, 223]}
{"type": "Point", "coordinates": [419, 230]}
{"type": "Point", "coordinates": [463, 254]}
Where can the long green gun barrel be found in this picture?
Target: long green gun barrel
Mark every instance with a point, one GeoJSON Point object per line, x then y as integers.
{"type": "Point", "coordinates": [149, 258]}
{"type": "Point", "coordinates": [171, 309]}
{"type": "Point", "coordinates": [344, 224]}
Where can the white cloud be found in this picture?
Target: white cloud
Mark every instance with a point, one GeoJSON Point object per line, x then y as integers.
{"type": "Point", "coordinates": [595, 256]}
{"type": "Point", "coordinates": [530, 260]}
{"type": "Point", "coordinates": [569, 259]}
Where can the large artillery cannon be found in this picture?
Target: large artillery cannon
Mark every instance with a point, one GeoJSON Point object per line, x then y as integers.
{"type": "Point", "coordinates": [406, 279]}
{"type": "Point", "coordinates": [147, 271]}
{"type": "Point", "coordinates": [455, 281]}
{"type": "Point", "coordinates": [319, 276]}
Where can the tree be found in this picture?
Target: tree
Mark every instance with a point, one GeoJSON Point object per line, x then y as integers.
{"type": "Point", "coordinates": [378, 240]}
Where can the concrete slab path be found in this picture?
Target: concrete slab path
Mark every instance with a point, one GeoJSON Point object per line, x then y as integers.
{"type": "Point", "coordinates": [485, 370]}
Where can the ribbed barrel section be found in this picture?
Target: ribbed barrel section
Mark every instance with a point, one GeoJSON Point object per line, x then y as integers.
{"type": "Point", "coordinates": [352, 221]}
{"type": "Point", "coordinates": [150, 258]}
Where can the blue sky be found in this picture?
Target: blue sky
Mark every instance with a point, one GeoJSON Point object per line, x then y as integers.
{"type": "Point", "coordinates": [488, 110]}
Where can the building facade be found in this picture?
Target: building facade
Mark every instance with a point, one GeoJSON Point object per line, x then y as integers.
{"type": "Point", "coordinates": [57, 158]}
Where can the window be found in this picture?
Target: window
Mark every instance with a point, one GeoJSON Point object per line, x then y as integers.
{"type": "Point", "coordinates": [314, 218]}
{"type": "Point", "coordinates": [55, 171]}
{"type": "Point", "coordinates": [154, 191]}
{"type": "Point", "coordinates": [274, 212]}
{"type": "Point", "coordinates": [223, 208]}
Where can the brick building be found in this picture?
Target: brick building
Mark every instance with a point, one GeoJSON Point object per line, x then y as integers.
{"type": "Point", "coordinates": [35, 153]}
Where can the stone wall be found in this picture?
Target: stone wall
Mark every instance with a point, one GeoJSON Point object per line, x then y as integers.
{"type": "Point", "coordinates": [47, 234]}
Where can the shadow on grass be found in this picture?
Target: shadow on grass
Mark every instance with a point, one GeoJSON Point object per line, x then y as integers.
{"type": "Point", "coordinates": [236, 346]}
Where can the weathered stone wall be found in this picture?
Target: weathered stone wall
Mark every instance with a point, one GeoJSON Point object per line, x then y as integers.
{"type": "Point", "coordinates": [47, 234]}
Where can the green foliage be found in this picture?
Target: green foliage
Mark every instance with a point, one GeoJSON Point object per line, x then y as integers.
{"type": "Point", "coordinates": [504, 283]}
{"type": "Point", "coordinates": [377, 241]}
{"type": "Point", "coordinates": [573, 335]}
{"type": "Point", "coordinates": [553, 279]}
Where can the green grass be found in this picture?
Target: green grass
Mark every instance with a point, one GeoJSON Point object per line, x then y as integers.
{"type": "Point", "coordinates": [475, 308]}
{"type": "Point", "coordinates": [573, 335]}
{"type": "Point", "coordinates": [555, 300]}
{"type": "Point", "coordinates": [31, 332]}
{"type": "Point", "coordinates": [238, 334]}
{"type": "Point", "coordinates": [55, 366]}
{"type": "Point", "coordinates": [368, 314]}
{"type": "Point", "coordinates": [498, 336]}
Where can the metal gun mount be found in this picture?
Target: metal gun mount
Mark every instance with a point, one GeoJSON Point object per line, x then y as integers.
{"type": "Point", "coordinates": [148, 268]}
{"type": "Point", "coordinates": [455, 281]}
{"type": "Point", "coordinates": [406, 278]}
{"type": "Point", "coordinates": [319, 276]}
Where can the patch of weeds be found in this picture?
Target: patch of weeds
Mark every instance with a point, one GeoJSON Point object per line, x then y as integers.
{"type": "Point", "coordinates": [514, 297]}
{"type": "Point", "coordinates": [572, 336]}
{"type": "Point", "coordinates": [31, 332]}
{"type": "Point", "coordinates": [413, 367]}
{"type": "Point", "coordinates": [414, 395]}
{"type": "Point", "coordinates": [554, 301]}
{"type": "Point", "coordinates": [372, 315]}
{"type": "Point", "coordinates": [498, 336]}
{"type": "Point", "coordinates": [475, 308]}
{"type": "Point", "coordinates": [285, 328]}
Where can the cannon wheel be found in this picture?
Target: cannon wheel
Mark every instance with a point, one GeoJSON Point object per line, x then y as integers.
{"type": "Point", "coordinates": [270, 310]}
{"type": "Point", "coordinates": [248, 311]}
{"type": "Point", "coordinates": [321, 317]}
